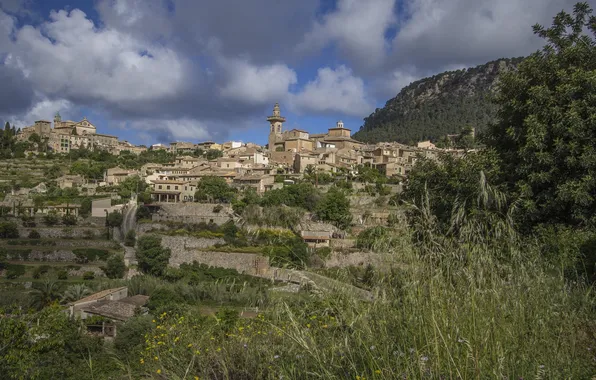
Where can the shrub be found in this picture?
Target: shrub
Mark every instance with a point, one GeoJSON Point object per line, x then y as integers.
{"type": "Point", "coordinates": [40, 270]}
{"type": "Point", "coordinates": [90, 254]}
{"type": "Point", "coordinates": [51, 218]}
{"type": "Point", "coordinates": [89, 275]}
{"type": "Point", "coordinates": [115, 267]}
{"type": "Point", "coordinates": [69, 220]}
{"type": "Point", "coordinates": [130, 238]}
{"type": "Point", "coordinates": [34, 235]}
{"type": "Point", "coordinates": [9, 230]}
{"type": "Point", "coordinates": [14, 271]}
{"type": "Point", "coordinates": [62, 274]}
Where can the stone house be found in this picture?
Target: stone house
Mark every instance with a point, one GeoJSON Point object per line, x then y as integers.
{"type": "Point", "coordinates": [69, 181]}
{"type": "Point", "coordinates": [260, 183]}
{"type": "Point", "coordinates": [316, 239]}
{"type": "Point", "coordinates": [115, 176]}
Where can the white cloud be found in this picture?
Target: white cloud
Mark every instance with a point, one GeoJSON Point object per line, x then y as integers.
{"type": "Point", "coordinates": [252, 84]}
{"type": "Point", "coordinates": [333, 91]}
{"type": "Point", "coordinates": [70, 57]}
{"type": "Point", "coordinates": [177, 129]}
{"type": "Point", "coordinates": [441, 32]}
{"type": "Point", "coordinates": [358, 27]}
{"type": "Point", "coordinates": [44, 109]}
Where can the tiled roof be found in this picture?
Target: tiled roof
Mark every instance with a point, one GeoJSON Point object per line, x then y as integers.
{"type": "Point", "coordinates": [99, 295]}
{"type": "Point", "coordinates": [112, 309]}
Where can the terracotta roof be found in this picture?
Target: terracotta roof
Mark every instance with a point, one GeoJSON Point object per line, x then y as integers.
{"type": "Point", "coordinates": [99, 295]}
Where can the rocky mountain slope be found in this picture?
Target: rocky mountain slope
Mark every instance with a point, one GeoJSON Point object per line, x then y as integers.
{"type": "Point", "coordinates": [442, 104]}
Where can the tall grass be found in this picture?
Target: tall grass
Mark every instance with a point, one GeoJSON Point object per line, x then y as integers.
{"type": "Point", "coordinates": [473, 303]}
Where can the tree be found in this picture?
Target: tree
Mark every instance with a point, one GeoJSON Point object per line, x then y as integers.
{"type": "Point", "coordinates": [151, 256]}
{"type": "Point", "coordinates": [132, 184]}
{"type": "Point", "coordinates": [545, 133]}
{"type": "Point", "coordinates": [45, 293]}
{"type": "Point", "coordinates": [214, 189]}
{"type": "Point", "coordinates": [115, 219]}
{"type": "Point", "coordinates": [115, 267]}
{"type": "Point", "coordinates": [69, 220]}
{"type": "Point", "coordinates": [335, 208]}
{"type": "Point", "coordinates": [86, 205]}
{"type": "Point", "coordinates": [9, 230]}
{"type": "Point", "coordinates": [130, 238]}
{"type": "Point", "coordinates": [212, 154]}
{"type": "Point", "coordinates": [51, 218]}
{"type": "Point", "coordinates": [75, 293]}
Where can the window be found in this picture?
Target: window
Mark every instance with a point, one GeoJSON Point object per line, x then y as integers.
{"type": "Point", "coordinates": [168, 187]}
{"type": "Point", "coordinates": [175, 187]}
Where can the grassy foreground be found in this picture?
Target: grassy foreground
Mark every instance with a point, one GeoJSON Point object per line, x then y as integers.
{"type": "Point", "coordinates": [466, 315]}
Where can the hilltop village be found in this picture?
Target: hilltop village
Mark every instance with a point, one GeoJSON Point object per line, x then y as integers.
{"type": "Point", "coordinates": [289, 153]}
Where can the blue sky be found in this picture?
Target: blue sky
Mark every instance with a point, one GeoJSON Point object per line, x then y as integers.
{"type": "Point", "coordinates": [189, 70]}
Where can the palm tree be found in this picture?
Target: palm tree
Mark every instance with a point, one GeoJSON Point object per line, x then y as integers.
{"type": "Point", "coordinates": [75, 293]}
{"type": "Point", "coordinates": [45, 293]}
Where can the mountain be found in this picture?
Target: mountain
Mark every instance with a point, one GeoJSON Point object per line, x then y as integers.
{"type": "Point", "coordinates": [439, 105]}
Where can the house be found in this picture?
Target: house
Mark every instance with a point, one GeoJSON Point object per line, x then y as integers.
{"type": "Point", "coordinates": [426, 145]}
{"type": "Point", "coordinates": [69, 181]}
{"type": "Point", "coordinates": [172, 191]}
{"type": "Point", "coordinates": [260, 183]}
{"type": "Point", "coordinates": [316, 239]}
{"type": "Point", "coordinates": [115, 176]}
{"type": "Point", "coordinates": [113, 305]}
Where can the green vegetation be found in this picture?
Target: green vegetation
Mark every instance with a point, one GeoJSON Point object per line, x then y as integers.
{"type": "Point", "coordinates": [8, 230]}
{"type": "Point", "coordinates": [151, 256]}
{"type": "Point", "coordinates": [115, 267]}
{"type": "Point", "coordinates": [419, 113]}
{"type": "Point", "coordinates": [492, 277]}
{"type": "Point", "coordinates": [214, 189]}
{"type": "Point", "coordinates": [85, 255]}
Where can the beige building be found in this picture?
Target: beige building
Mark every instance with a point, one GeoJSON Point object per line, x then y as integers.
{"type": "Point", "coordinates": [173, 191]}
{"type": "Point", "coordinates": [260, 183]}
{"type": "Point", "coordinates": [115, 176]}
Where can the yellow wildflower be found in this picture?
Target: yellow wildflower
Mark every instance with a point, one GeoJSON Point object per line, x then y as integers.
{"type": "Point", "coordinates": [156, 358]}
{"type": "Point", "coordinates": [142, 361]}
{"type": "Point", "coordinates": [176, 339]}
{"type": "Point", "coordinates": [378, 371]}
{"type": "Point", "coordinates": [189, 345]}
{"type": "Point", "coordinates": [218, 349]}
{"type": "Point", "coordinates": [158, 371]}
{"type": "Point", "coordinates": [308, 325]}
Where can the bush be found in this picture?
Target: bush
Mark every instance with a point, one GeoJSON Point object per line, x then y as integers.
{"type": "Point", "coordinates": [130, 238]}
{"type": "Point", "coordinates": [89, 275]}
{"type": "Point", "coordinates": [151, 256]}
{"type": "Point", "coordinates": [14, 271]}
{"type": "Point", "coordinates": [69, 220]}
{"type": "Point", "coordinates": [131, 335]}
{"type": "Point", "coordinates": [40, 270]}
{"type": "Point", "coordinates": [51, 219]}
{"type": "Point", "coordinates": [34, 235]}
{"type": "Point", "coordinates": [115, 267]}
{"type": "Point", "coordinates": [9, 230]}
{"type": "Point", "coordinates": [62, 274]}
{"type": "Point", "coordinates": [85, 255]}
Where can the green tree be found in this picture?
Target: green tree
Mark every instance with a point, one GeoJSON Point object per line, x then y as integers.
{"type": "Point", "coordinates": [69, 220]}
{"type": "Point", "coordinates": [115, 267]}
{"type": "Point", "coordinates": [545, 132]}
{"type": "Point", "coordinates": [9, 230]}
{"type": "Point", "coordinates": [75, 292]}
{"type": "Point", "coordinates": [131, 185]}
{"type": "Point", "coordinates": [214, 189]}
{"type": "Point", "coordinates": [334, 207]}
{"type": "Point", "coordinates": [86, 205]}
{"type": "Point", "coordinates": [115, 219]}
{"type": "Point", "coordinates": [51, 218]}
{"type": "Point", "coordinates": [151, 256]}
{"type": "Point", "coordinates": [130, 239]}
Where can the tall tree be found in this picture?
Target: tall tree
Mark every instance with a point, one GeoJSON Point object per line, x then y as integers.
{"type": "Point", "coordinates": [546, 130]}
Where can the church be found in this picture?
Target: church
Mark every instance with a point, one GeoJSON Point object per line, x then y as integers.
{"type": "Point", "coordinates": [298, 149]}
{"type": "Point", "coordinates": [298, 140]}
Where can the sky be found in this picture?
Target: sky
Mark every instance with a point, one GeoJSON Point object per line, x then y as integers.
{"type": "Point", "coordinates": [152, 71]}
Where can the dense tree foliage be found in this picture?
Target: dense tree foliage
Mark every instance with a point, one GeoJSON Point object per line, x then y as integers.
{"type": "Point", "coordinates": [115, 267]}
{"type": "Point", "coordinates": [434, 107]}
{"type": "Point", "coordinates": [334, 207]}
{"type": "Point", "coordinates": [214, 189]}
{"type": "Point", "coordinates": [151, 256]}
{"type": "Point", "coordinates": [546, 134]}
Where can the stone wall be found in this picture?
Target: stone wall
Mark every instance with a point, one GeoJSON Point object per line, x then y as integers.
{"type": "Point", "coordinates": [64, 232]}
{"type": "Point", "coordinates": [189, 249]}
{"type": "Point", "coordinates": [193, 213]}
{"type": "Point", "coordinates": [340, 260]}
{"type": "Point", "coordinates": [342, 243]}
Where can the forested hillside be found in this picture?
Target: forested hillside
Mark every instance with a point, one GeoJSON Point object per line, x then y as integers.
{"type": "Point", "coordinates": [439, 105]}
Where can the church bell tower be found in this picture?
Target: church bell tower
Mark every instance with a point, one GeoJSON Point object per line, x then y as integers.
{"type": "Point", "coordinates": [275, 129]}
